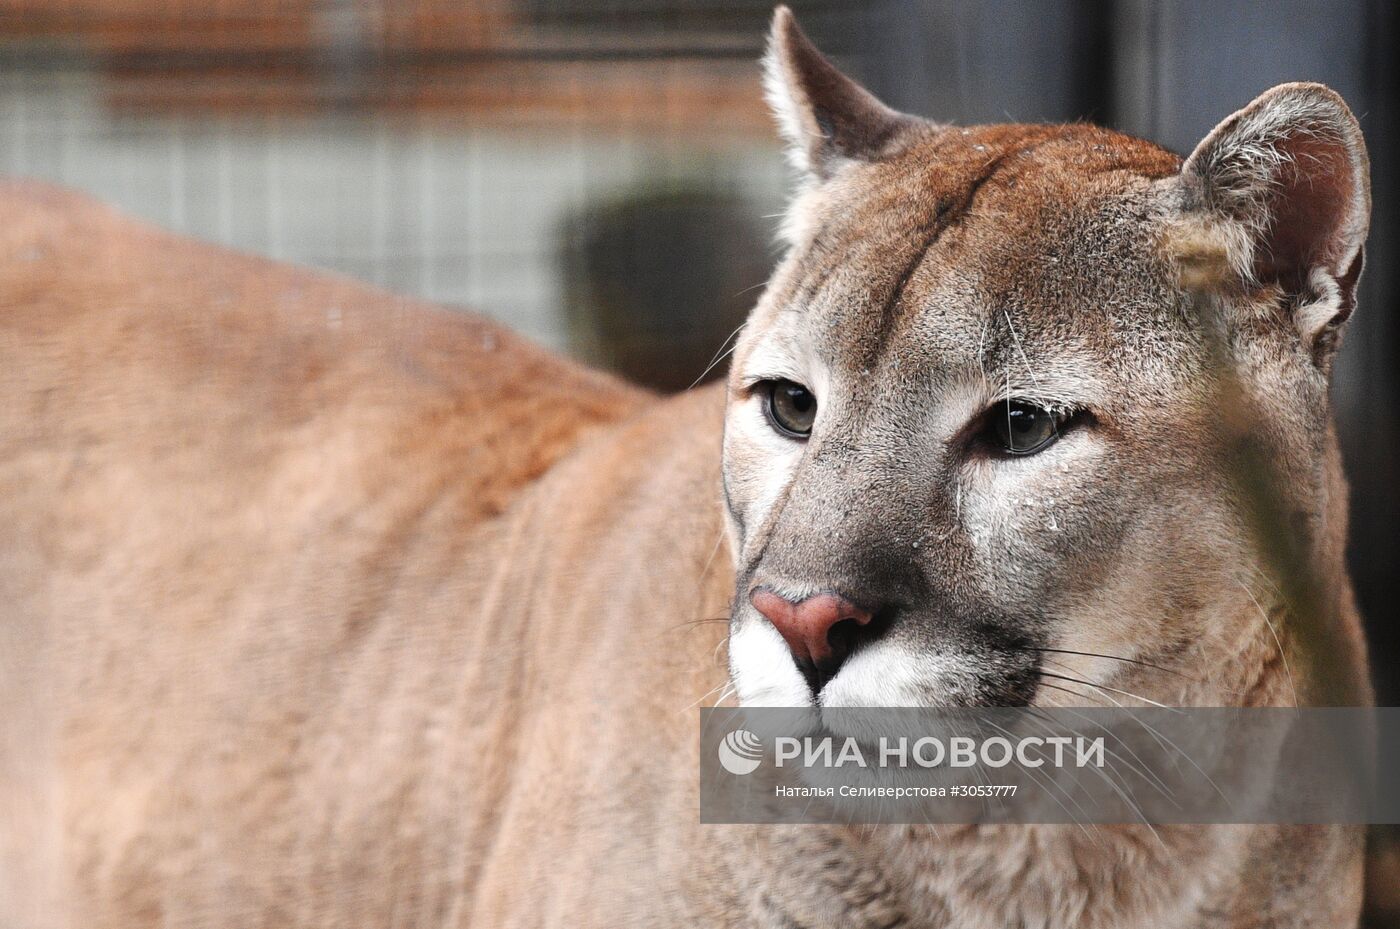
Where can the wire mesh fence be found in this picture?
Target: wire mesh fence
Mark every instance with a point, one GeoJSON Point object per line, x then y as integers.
{"type": "Point", "coordinates": [458, 164]}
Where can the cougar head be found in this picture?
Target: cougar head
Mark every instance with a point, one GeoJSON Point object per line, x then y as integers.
{"type": "Point", "coordinates": [999, 429]}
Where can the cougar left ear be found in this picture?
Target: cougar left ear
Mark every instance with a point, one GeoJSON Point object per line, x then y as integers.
{"type": "Point", "coordinates": [1280, 194]}
{"type": "Point", "coordinates": [823, 115]}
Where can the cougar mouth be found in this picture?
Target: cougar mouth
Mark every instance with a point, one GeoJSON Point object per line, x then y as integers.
{"type": "Point", "coordinates": [889, 661]}
{"type": "Point", "coordinates": [897, 675]}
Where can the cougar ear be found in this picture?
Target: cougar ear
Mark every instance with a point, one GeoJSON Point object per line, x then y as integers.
{"type": "Point", "coordinates": [824, 116]}
{"type": "Point", "coordinates": [1280, 194]}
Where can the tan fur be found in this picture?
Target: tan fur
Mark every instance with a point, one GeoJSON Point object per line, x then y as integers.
{"type": "Point", "coordinates": [327, 608]}
{"type": "Point", "coordinates": [289, 605]}
{"type": "Point", "coordinates": [1202, 250]}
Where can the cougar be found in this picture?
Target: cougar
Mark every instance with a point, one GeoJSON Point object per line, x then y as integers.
{"type": "Point", "coordinates": [328, 608]}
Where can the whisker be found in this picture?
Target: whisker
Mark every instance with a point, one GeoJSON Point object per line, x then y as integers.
{"type": "Point", "coordinates": [1162, 741]}
{"type": "Point", "coordinates": [1136, 661]}
{"type": "Point", "coordinates": [1141, 768]}
{"type": "Point", "coordinates": [753, 287]}
{"type": "Point", "coordinates": [701, 622]}
{"type": "Point", "coordinates": [1108, 779]}
{"type": "Point", "coordinates": [725, 690]}
{"type": "Point", "coordinates": [705, 571]}
{"type": "Point", "coordinates": [720, 353]}
{"type": "Point", "coordinates": [722, 643]}
{"type": "Point", "coordinates": [1076, 693]}
{"type": "Point", "coordinates": [1105, 687]}
{"type": "Point", "coordinates": [1277, 641]}
{"type": "Point", "coordinates": [1017, 339]}
{"type": "Point", "coordinates": [1050, 782]}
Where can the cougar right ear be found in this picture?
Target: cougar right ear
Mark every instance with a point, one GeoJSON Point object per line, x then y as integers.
{"type": "Point", "coordinates": [824, 116]}
{"type": "Point", "coordinates": [1279, 194]}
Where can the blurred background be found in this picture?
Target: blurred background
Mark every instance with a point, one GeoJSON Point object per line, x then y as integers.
{"type": "Point", "coordinates": [601, 174]}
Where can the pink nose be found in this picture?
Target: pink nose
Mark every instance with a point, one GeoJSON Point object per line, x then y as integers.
{"type": "Point", "coordinates": [807, 626]}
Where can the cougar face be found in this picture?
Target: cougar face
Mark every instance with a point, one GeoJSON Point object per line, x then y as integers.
{"type": "Point", "coordinates": [978, 448]}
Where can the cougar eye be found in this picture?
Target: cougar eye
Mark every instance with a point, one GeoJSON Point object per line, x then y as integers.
{"type": "Point", "coordinates": [1021, 428]}
{"type": "Point", "coordinates": [791, 408]}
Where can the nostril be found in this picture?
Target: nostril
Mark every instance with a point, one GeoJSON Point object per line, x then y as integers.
{"type": "Point", "coordinates": [842, 640]}
{"type": "Point", "coordinates": [820, 631]}
{"type": "Point", "coordinates": [843, 636]}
